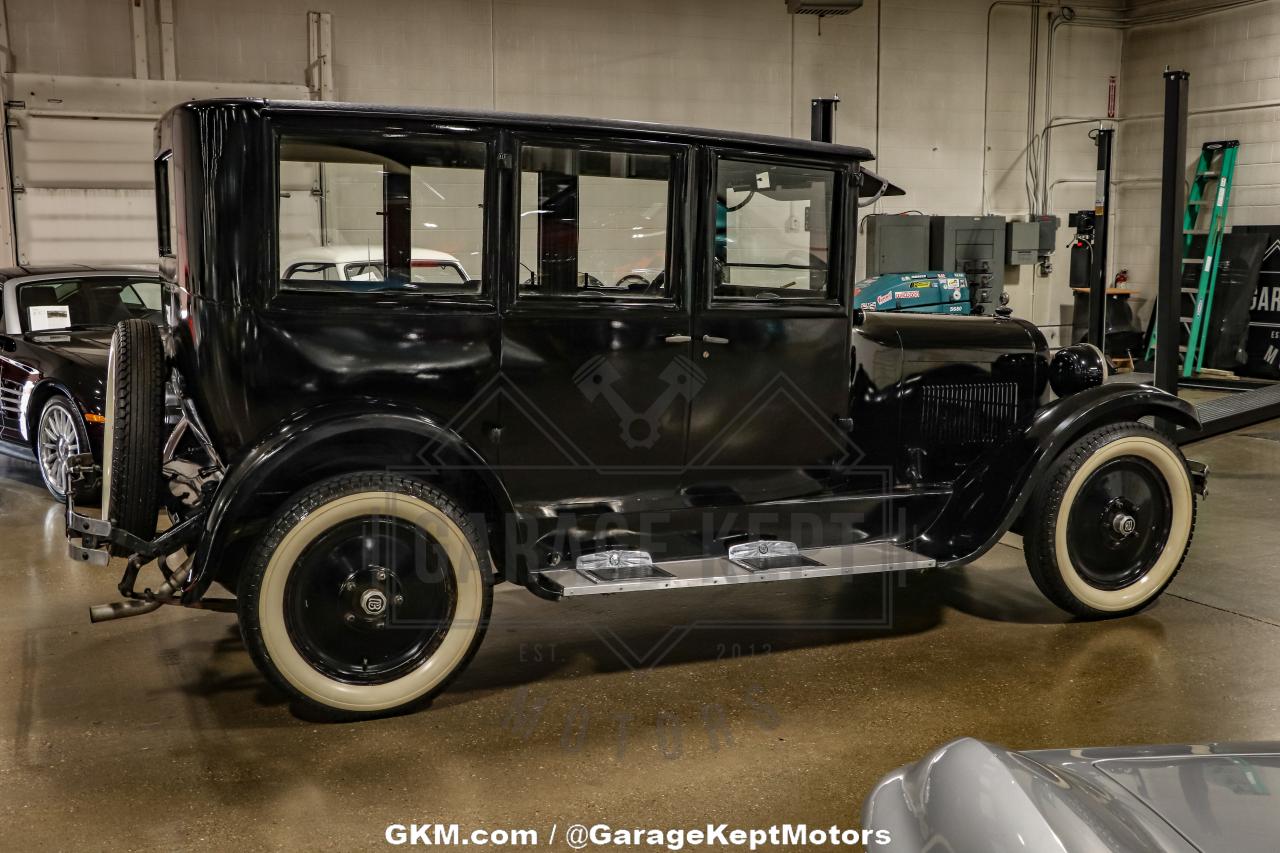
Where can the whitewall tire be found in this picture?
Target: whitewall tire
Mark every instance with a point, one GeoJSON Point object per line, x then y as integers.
{"type": "Point", "coordinates": [369, 593]}
{"type": "Point", "coordinates": [1110, 524]}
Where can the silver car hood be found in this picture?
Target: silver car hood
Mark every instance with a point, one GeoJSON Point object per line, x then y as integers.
{"type": "Point", "coordinates": [973, 796]}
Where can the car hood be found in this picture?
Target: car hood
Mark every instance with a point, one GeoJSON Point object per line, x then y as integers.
{"type": "Point", "coordinates": [87, 347]}
{"type": "Point", "coordinates": [970, 795]}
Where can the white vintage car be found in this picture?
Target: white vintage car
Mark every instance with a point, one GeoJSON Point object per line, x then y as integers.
{"type": "Point", "coordinates": [362, 263]}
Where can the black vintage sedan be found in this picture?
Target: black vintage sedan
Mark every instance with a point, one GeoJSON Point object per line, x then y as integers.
{"type": "Point", "coordinates": [655, 377]}
{"type": "Point", "coordinates": [55, 334]}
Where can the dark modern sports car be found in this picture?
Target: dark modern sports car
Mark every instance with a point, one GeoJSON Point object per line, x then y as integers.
{"type": "Point", "coordinates": [55, 333]}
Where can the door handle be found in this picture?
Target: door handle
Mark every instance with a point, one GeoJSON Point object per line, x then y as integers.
{"type": "Point", "coordinates": [677, 339]}
{"type": "Point", "coordinates": [712, 339]}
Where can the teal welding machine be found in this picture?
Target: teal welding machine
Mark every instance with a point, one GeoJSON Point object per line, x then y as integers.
{"type": "Point", "coordinates": [917, 292]}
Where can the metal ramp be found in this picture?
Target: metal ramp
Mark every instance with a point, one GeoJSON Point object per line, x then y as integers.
{"type": "Point", "coordinates": [753, 562]}
{"type": "Point", "coordinates": [1238, 409]}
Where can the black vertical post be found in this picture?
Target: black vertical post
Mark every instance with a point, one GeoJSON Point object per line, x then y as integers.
{"type": "Point", "coordinates": [1102, 216]}
{"type": "Point", "coordinates": [822, 119]}
{"type": "Point", "coordinates": [1172, 211]}
{"type": "Point", "coordinates": [397, 225]}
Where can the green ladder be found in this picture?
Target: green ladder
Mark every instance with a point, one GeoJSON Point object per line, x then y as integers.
{"type": "Point", "coordinates": [1211, 187]}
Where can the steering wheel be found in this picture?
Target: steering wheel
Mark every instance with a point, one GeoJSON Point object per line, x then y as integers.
{"type": "Point", "coordinates": [750, 195]}
{"type": "Point", "coordinates": [634, 283]}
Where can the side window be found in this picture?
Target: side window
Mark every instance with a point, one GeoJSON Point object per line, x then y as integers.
{"type": "Point", "coordinates": [367, 218]}
{"type": "Point", "coordinates": [166, 206]}
{"type": "Point", "coordinates": [593, 223]}
{"type": "Point", "coordinates": [773, 231]}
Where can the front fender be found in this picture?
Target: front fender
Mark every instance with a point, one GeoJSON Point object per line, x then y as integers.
{"type": "Point", "coordinates": [319, 442]}
{"type": "Point", "coordinates": [993, 491]}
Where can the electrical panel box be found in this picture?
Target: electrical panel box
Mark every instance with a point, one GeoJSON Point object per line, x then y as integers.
{"type": "Point", "coordinates": [1023, 242]}
{"type": "Point", "coordinates": [897, 243]}
{"type": "Point", "coordinates": [975, 246]}
{"type": "Point", "coordinates": [1048, 232]}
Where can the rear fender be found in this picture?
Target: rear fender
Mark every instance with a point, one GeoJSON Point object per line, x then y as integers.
{"type": "Point", "coordinates": [993, 491]}
{"type": "Point", "coordinates": [328, 441]}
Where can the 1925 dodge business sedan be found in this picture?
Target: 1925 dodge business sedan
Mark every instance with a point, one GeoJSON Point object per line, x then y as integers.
{"type": "Point", "coordinates": [651, 379]}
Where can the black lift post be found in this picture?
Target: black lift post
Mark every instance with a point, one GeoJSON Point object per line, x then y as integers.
{"type": "Point", "coordinates": [1104, 138]}
{"type": "Point", "coordinates": [1172, 207]}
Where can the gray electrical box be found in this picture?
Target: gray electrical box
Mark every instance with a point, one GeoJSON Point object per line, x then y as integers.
{"type": "Point", "coordinates": [1023, 242]}
{"type": "Point", "coordinates": [897, 243]}
{"type": "Point", "coordinates": [975, 246]}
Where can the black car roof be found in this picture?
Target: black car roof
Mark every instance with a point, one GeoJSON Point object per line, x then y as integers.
{"type": "Point", "coordinates": [531, 121]}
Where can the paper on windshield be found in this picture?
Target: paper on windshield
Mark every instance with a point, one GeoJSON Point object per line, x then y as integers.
{"type": "Point", "coordinates": [48, 317]}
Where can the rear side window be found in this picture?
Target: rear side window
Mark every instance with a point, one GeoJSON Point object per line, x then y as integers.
{"type": "Point", "coordinates": [594, 223]}
{"type": "Point", "coordinates": [774, 227]}
{"type": "Point", "coordinates": [166, 206]}
{"type": "Point", "coordinates": [381, 216]}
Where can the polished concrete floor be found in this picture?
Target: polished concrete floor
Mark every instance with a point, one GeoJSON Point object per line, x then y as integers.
{"type": "Point", "coordinates": [749, 705]}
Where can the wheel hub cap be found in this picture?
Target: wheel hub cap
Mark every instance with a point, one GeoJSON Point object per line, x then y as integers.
{"type": "Point", "coordinates": [373, 602]}
{"type": "Point", "coordinates": [368, 594]}
{"type": "Point", "coordinates": [1123, 524]}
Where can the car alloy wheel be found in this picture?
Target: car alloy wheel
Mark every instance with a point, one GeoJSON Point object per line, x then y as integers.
{"type": "Point", "coordinates": [57, 440]}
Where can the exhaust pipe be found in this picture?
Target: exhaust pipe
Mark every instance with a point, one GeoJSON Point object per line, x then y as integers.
{"type": "Point", "coordinates": [137, 606]}
{"type": "Point", "coordinates": [121, 609]}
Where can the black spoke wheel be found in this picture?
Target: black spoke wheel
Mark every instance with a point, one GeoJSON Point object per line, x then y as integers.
{"type": "Point", "coordinates": [1119, 522]}
{"type": "Point", "coordinates": [1110, 522]}
{"type": "Point", "coordinates": [367, 595]}
{"type": "Point", "coordinates": [370, 599]}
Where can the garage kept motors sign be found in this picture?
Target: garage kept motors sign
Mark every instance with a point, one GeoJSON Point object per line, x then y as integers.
{"type": "Point", "coordinates": [1263, 343]}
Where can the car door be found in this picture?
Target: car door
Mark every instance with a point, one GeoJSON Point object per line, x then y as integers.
{"type": "Point", "coordinates": [771, 339]}
{"type": "Point", "coordinates": [595, 333]}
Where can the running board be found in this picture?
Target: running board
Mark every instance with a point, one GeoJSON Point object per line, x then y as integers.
{"type": "Point", "coordinates": [739, 566]}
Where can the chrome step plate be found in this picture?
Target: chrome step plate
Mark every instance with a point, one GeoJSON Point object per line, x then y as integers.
{"type": "Point", "coordinates": [868, 558]}
{"type": "Point", "coordinates": [616, 566]}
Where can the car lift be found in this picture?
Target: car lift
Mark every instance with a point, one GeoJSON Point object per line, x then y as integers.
{"type": "Point", "coordinates": [1240, 408]}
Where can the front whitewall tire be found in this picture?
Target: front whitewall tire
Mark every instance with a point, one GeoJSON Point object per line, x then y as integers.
{"type": "Point", "coordinates": [1074, 566]}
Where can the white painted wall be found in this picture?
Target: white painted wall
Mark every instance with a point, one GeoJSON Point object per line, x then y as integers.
{"type": "Point", "coordinates": [733, 64]}
{"type": "Point", "coordinates": [1234, 60]}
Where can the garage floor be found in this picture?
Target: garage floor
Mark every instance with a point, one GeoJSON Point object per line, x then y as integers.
{"type": "Point", "coordinates": [750, 705]}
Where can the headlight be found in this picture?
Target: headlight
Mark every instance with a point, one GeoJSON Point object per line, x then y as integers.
{"type": "Point", "coordinates": [1076, 368]}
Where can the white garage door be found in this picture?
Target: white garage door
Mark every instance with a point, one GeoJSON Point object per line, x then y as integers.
{"type": "Point", "coordinates": [81, 153]}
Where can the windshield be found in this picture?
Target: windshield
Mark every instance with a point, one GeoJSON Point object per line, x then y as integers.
{"type": "Point", "coordinates": [92, 301]}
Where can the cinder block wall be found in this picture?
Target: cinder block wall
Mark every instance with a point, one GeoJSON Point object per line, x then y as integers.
{"type": "Point", "coordinates": [1234, 60]}
{"type": "Point", "coordinates": [912, 76]}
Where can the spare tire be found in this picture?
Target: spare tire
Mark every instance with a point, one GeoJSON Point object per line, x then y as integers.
{"type": "Point", "coordinates": [134, 439]}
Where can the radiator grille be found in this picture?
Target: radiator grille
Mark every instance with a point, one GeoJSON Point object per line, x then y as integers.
{"type": "Point", "coordinates": [974, 413]}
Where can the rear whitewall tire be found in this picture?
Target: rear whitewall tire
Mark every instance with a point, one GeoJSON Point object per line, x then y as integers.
{"type": "Point", "coordinates": [264, 606]}
{"type": "Point", "coordinates": [1047, 544]}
